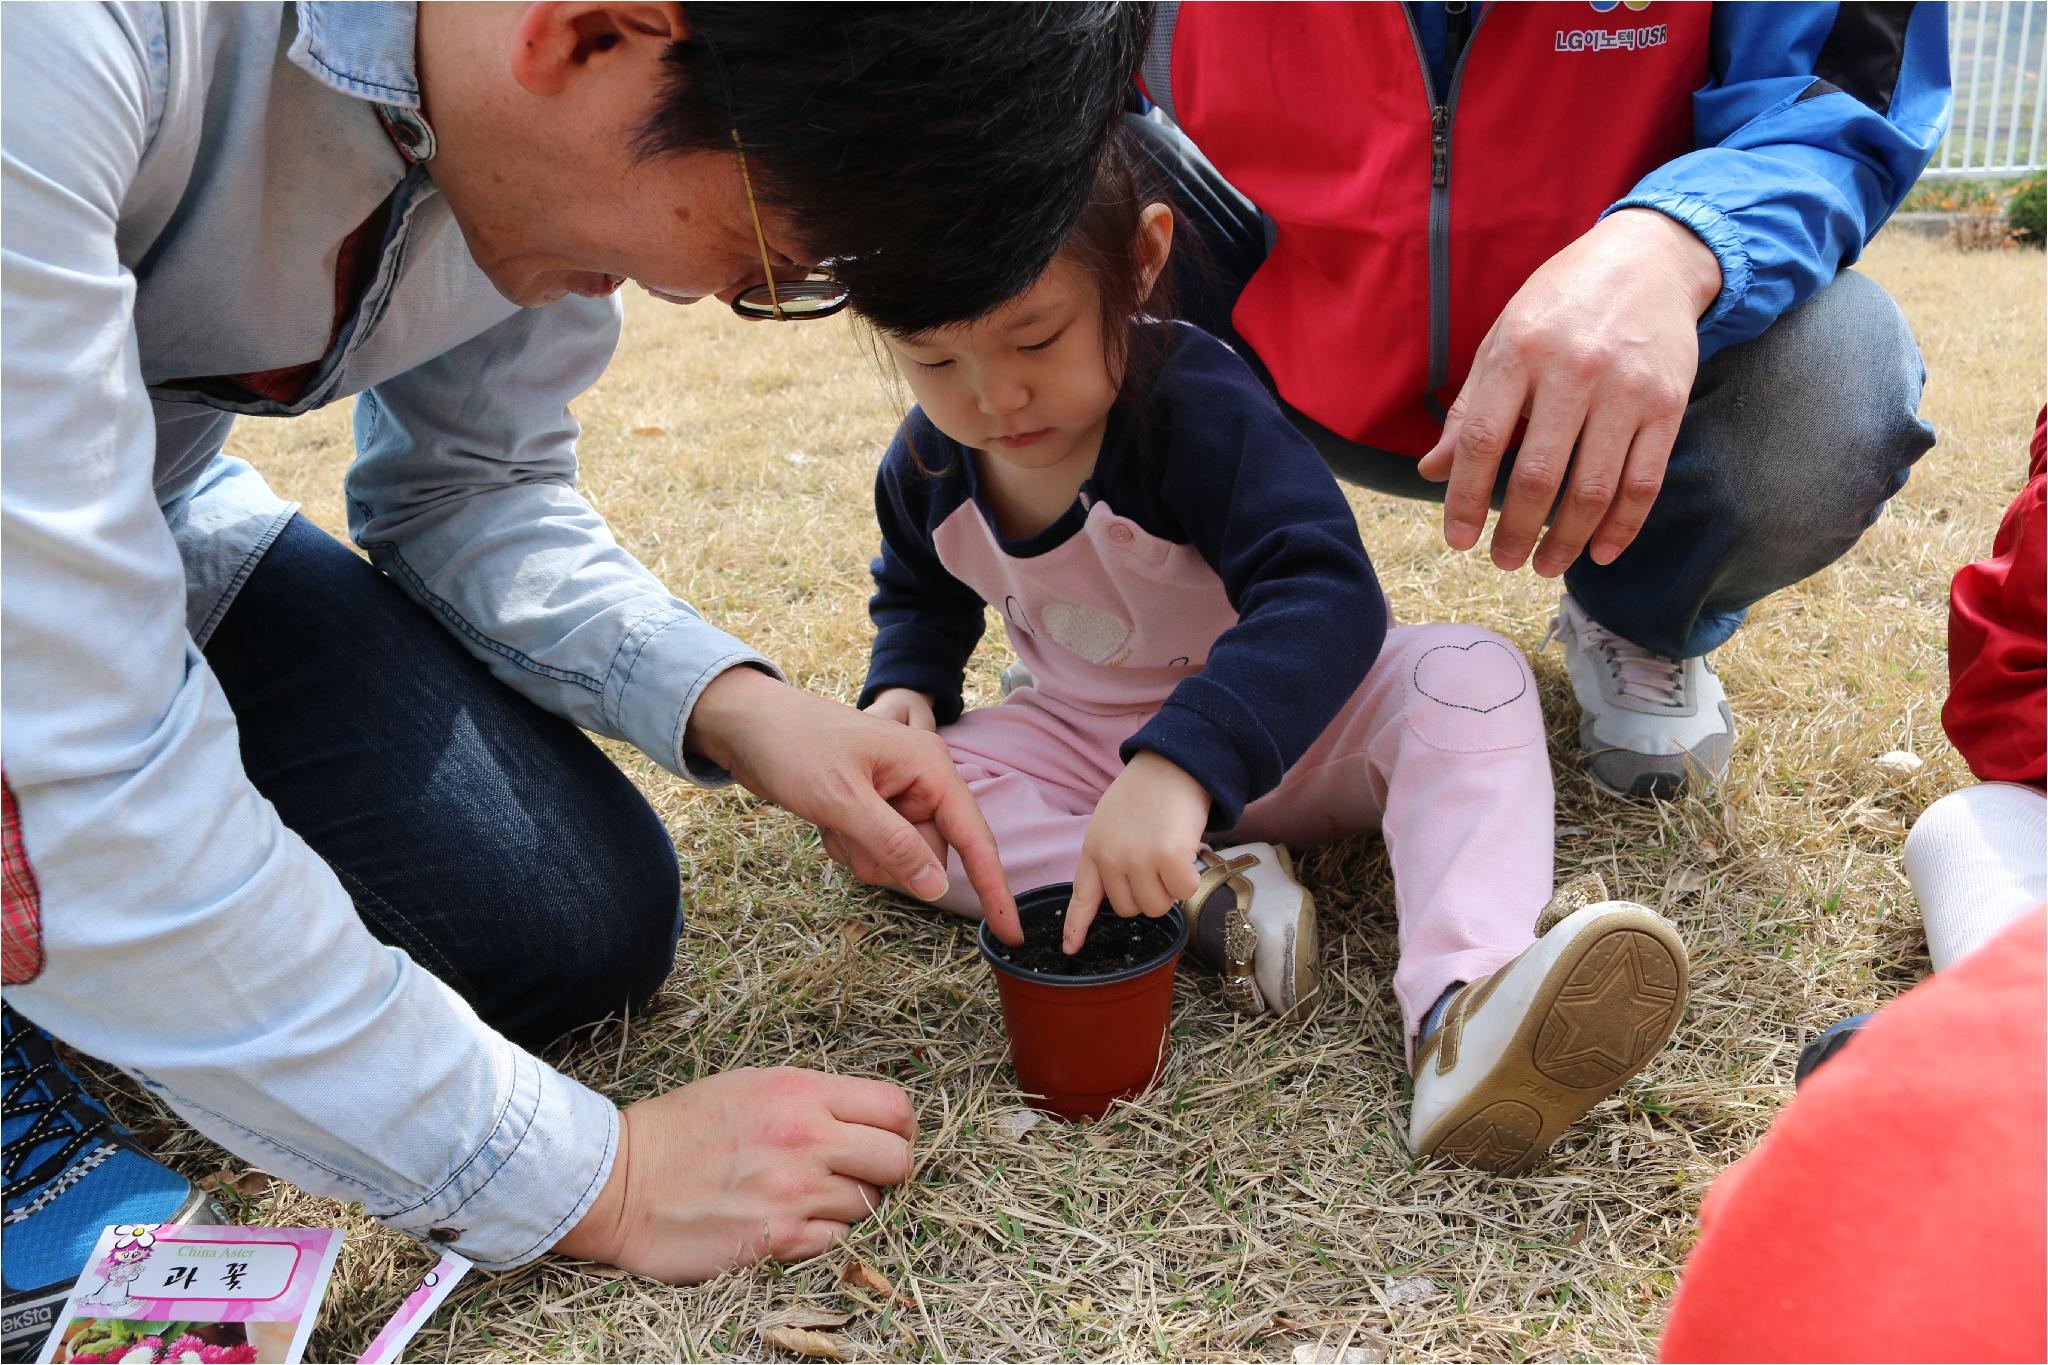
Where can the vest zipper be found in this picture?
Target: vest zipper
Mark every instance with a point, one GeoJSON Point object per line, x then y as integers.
{"type": "Point", "coordinates": [1457, 40]}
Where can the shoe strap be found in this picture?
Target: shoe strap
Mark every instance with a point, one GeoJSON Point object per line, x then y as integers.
{"type": "Point", "coordinates": [1442, 1045]}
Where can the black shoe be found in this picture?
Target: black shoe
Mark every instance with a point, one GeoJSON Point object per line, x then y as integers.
{"type": "Point", "coordinates": [1831, 1041]}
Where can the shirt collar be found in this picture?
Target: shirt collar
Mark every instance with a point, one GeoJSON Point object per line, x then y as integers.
{"type": "Point", "coordinates": [365, 49]}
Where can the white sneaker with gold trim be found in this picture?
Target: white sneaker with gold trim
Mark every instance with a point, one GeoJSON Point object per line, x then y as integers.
{"type": "Point", "coordinates": [1255, 923]}
{"type": "Point", "coordinates": [1522, 1054]}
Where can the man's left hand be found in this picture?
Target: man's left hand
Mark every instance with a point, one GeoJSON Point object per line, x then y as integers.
{"type": "Point", "coordinates": [1598, 351]}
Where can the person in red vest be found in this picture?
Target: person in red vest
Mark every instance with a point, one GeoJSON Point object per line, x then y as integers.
{"type": "Point", "coordinates": [1584, 262]}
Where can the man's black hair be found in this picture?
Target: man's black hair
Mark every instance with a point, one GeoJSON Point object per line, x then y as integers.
{"type": "Point", "coordinates": [938, 152]}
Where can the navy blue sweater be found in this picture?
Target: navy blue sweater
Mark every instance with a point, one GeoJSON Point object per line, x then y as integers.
{"type": "Point", "coordinates": [1213, 464]}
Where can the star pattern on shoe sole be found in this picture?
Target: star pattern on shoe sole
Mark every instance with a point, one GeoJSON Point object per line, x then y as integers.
{"type": "Point", "coordinates": [1613, 1011]}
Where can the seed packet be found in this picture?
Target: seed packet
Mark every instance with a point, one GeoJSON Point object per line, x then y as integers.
{"type": "Point", "coordinates": [190, 1294]}
{"type": "Point", "coordinates": [414, 1312]}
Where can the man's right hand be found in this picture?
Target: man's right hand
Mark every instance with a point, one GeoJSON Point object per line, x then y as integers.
{"type": "Point", "coordinates": [745, 1165]}
{"type": "Point", "coordinates": [885, 797]}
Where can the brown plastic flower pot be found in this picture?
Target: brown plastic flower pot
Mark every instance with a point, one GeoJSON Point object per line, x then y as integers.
{"type": "Point", "coordinates": [1081, 1043]}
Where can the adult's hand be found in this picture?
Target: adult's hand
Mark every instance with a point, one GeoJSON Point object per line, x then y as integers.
{"type": "Point", "coordinates": [1598, 350]}
{"type": "Point", "coordinates": [885, 796]}
{"type": "Point", "coordinates": [745, 1165]}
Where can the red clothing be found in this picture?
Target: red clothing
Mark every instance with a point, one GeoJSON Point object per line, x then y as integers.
{"type": "Point", "coordinates": [1330, 131]}
{"type": "Point", "coordinates": [1997, 712]}
{"type": "Point", "coordinates": [21, 899]}
{"type": "Point", "coordinates": [355, 268]}
{"type": "Point", "coordinates": [1895, 1211]}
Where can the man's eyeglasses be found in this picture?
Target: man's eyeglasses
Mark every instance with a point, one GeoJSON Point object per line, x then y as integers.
{"type": "Point", "coordinates": [819, 296]}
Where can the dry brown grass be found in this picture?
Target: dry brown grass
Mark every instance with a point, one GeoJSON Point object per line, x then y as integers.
{"type": "Point", "coordinates": [1261, 1197]}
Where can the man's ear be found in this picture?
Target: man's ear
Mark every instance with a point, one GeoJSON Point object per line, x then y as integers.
{"type": "Point", "coordinates": [556, 41]}
{"type": "Point", "coordinates": [1155, 244]}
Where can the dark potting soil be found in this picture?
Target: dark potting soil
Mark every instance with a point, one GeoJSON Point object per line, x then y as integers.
{"type": "Point", "coordinates": [1113, 945]}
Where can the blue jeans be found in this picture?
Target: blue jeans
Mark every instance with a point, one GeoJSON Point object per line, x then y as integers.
{"type": "Point", "coordinates": [488, 839]}
{"type": "Point", "coordinates": [1790, 448]}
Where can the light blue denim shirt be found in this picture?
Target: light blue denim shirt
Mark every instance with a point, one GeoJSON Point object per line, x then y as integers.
{"type": "Point", "coordinates": [177, 182]}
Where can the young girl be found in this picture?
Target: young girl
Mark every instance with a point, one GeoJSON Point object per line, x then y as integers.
{"type": "Point", "coordinates": [1213, 671]}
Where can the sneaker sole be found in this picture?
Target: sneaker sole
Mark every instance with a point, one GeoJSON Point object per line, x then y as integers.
{"type": "Point", "coordinates": [29, 1315]}
{"type": "Point", "coordinates": [1606, 1007]}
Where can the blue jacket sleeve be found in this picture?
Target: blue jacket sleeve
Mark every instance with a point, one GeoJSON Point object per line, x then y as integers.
{"type": "Point", "coordinates": [927, 622]}
{"type": "Point", "coordinates": [1818, 119]}
{"type": "Point", "coordinates": [1260, 506]}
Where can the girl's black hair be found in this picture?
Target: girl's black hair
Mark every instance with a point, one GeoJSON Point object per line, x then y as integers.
{"type": "Point", "coordinates": [1104, 246]}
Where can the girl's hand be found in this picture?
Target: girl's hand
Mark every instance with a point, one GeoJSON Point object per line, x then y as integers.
{"type": "Point", "coordinates": [1141, 845]}
{"type": "Point", "coordinates": [905, 707]}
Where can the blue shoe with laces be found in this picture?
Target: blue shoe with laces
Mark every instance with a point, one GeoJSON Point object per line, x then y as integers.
{"type": "Point", "coordinates": [70, 1171]}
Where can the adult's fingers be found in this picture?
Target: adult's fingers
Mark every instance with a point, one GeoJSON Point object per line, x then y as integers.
{"type": "Point", "coordinates": [1436, 464]}
{"type": "Point", "coordinates": [1082, 906]}
{"type": "Point", "coordinates": [818, 1236]}
{"type": "Point", "coordinates": [869, 1155]}
{"type": "Point", "coordinates": [1540, 466]}
{"type": "Point", "coordinates": [1481, 424]}
{"type": "Point", "coordinates": [845, 1200]}
{"type": "Point", "coordinates": [835, 847]}
{"type": "Point", "coordinates": [1649, 455]}
{"type": "Point", "coordinates": [960, 824]}
{"type": "Point", "coordinates": [870, 1103]}
{"type": "Point", "coordinates": [897, 850]}
{"type": "Point", "coordinates": [864, 868]}
{"type": "Point", "coordinates": [1590, 486]}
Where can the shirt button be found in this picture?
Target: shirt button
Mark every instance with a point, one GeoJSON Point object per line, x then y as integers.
{"type": "Point", "coordinates": [1120, 533]}
{"type": "Point", "coordinates": [445, 1236]}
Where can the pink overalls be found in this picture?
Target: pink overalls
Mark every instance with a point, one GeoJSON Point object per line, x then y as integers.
{"type": "Point", "coordinates": [1441, 749]}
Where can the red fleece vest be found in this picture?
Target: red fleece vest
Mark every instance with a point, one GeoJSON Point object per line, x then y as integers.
{"type": "Point", "coordinates": [1322, 115]}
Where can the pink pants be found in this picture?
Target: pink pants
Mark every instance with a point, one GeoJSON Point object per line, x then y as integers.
{"type": "Point", "coordinates": [1441, 749]}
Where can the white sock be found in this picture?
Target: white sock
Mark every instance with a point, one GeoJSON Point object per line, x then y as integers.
{"type": "Point", "coordinates": [1978, 860]}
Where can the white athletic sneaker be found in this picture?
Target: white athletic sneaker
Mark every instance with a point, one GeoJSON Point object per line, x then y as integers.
{"type": "Point", "coordinates": [1648, 725]}
{"type": "Point", "coordinates": [1253, 922]}
{"type": "Point", "coordinates": [1522, 1054]}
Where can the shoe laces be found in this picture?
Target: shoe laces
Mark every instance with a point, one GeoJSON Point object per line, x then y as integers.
{"type": "Point", "coordinates": [62, 1121]}
{"type": "Point", "coordinates": [1640, 673]}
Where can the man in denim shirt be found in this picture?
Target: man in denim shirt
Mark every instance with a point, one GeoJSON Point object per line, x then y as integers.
{"type": "Point", "coordinates": [316, 851]}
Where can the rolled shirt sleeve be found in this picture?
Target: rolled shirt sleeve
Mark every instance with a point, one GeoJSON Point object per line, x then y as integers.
{"type": "Point", "coordinates": [190, 938]}
{"type": "Point", "coordinates": [464, 491]}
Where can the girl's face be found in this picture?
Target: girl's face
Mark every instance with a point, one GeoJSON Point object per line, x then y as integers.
{"type": "Point", "coordinates": [1029, 384]}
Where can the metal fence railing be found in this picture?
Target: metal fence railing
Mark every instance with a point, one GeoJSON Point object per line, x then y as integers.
{"type": "Point", "coordinates": [1995, 49]}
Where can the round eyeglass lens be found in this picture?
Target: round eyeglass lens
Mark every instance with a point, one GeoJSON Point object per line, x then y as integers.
{"type": "Point", "coordinates": [800, 300]}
